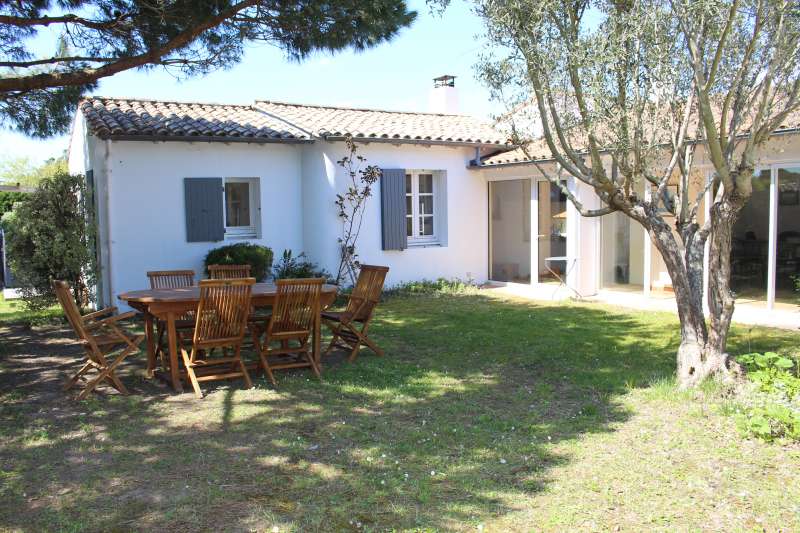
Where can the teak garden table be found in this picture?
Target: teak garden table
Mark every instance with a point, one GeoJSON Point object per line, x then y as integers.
{"type": "Point", "coordinates": [168, 304]}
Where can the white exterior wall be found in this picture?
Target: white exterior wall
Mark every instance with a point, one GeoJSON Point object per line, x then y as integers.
{"type": "Point", "coordinates": [145, 192]}
{"type": "Point", "coordinates": [465, 253]}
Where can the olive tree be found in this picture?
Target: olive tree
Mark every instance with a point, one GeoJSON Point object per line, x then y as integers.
{"type": "Point", "coordinates": [627, 96]}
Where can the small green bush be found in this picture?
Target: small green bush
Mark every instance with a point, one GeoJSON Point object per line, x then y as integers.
{"type": "Point", "coordinates": [772, 408]}
{"type": "Point", "coordinates": [291, 266]}
{"type": "Point", "coordinates": [441, 286]}
{"type": "Point", "coordinates": [243, 253]}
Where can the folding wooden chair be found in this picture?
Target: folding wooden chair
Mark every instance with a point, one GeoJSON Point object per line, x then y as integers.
{"type": "Point", "coordinates": [229, 271]}
{"type": "Point", "coordinates": [171, 279]}
{"type": "Point", "coordinates": [99, 337]}
{"type": "Point", "coordinates": [291, 326]}
{"type": "Point", "coordinates": [221, 322]}
{"type": "Point", "coordinates": [350, 326]}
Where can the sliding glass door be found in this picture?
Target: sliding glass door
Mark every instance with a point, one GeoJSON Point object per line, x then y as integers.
{"type": "Point", "coordinates": [787, 231]}
{"type": "Point", "coordinates": [621, 253]}
{"type": "Point", "coordinates": [552, 239]}
{"type": "Point", "coordinates": [750, 244]}
{"type": "Point", "coordinates": [510, 230]}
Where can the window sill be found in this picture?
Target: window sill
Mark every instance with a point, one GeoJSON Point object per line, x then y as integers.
{"type": "Point", "coordinates": [240, 237]}
{"type": "Point", "coordinates": [431, 244]}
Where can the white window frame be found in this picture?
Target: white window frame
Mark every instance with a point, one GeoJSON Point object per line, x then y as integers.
{"type": "Point", "coordinates": [415, 238]}
{"type": "Point", "coordinates": [243, 232]}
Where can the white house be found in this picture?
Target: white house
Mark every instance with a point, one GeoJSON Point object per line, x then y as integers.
{"type": "Point", "coordinates": [173, 180]}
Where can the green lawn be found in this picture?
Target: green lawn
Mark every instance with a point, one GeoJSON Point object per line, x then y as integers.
{"type": "Point", "coordinates": [487, 413]}
{"type": "Point", "coordinates": [12, 311]}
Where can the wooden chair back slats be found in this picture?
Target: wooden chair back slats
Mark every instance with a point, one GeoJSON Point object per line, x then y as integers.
{"type": "Point", "coordinates": [351, 326]}
{"type": "Point", "coordinates": [70, 309]}
{"type": "Point", "coordinates": [229, 271]}
{"type": "Point", "coordinates": [171, 279]}
{"type": "Point", "coordinates": [222, 311]}
{"type": "Point", "coordinates": [367, 293]}
{"type": "Point", "coordinates": [296, 305]}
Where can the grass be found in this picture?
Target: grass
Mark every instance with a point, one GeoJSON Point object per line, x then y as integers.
{"type": "Point", "coordinates": [490, 413]}
{"type": "Point", "coordinates": [13, 311]}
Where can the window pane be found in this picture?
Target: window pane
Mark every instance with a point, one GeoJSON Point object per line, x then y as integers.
{"type": "Point", "coordinates": [787, 267]}
{"type": "Point", "coordinates": [408, 205]}
{"type": "Point", "coordinates": [426, 205]}
{"type": "Point", "coordinates": [426, 226]}
{"type": "Point", "coordinates": [237, 204]}
{"type": "Point", "coordinates": [409, 226]}
{"type": "Point", "coordinates": [750, 244]}
{"type": "Point", "coordinates": [426, 183]}
{"type": "Point", "coordinates": [408, 183]}
{"type": "Point", "coordinates": [552, 232]}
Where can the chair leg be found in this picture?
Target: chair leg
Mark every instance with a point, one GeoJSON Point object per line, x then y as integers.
{"type": "Point", "coordinates": [74, 379]}
{"type": "Point", "coordinates": [267, 369]}
{"type": "Point", "coordinates": [245, 374]}
{"type": "Point", "coordinates": [192, 377]}
{"type": "Point", "coordinates": [105, 373]}
{"type": "Point", "coordinates": [117, 384]}
{"type": "Point", "coordinates": [354, 351]}
{"type": "Point", "coordinates": [333, 342]}
{"type": "Point", "coordinates": [372, 346]}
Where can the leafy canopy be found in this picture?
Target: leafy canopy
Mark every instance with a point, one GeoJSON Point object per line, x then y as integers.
{"type": "Point", "coordinates": [49, 235]}
{"type": "Point", "coordinates": [99, 38]}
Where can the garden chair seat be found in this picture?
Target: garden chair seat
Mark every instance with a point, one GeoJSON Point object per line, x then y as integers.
{"type": "Point", "coordinates": [222, 314]}
{"type": "Point", "coordinates": [290, 326]}
{"type": "Point", "coordinates": [350, 327]}
{"type": "Point", "coordinates": [171, 279]}
{"type": "Point", "coordinates": [100, 336]}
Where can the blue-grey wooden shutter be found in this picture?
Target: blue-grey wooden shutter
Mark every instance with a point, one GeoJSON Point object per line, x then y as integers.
{"type": "Point", "coordinates": [204, 217]}
{"type": "Point", "coordinates": [393, 209]}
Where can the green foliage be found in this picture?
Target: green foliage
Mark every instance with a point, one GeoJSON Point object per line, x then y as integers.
{"type": "Point", "coordinates": [772, 410]}
{"type": "Point", "coordinates": [439, 287]}
{"type": "Point", "coordinates": [8, 199]}
{"type": "Point", "coordinates": [298, 267]}
{"type": "Point", "coordinates": [43, 84]}
{"type": "Point", "coordinates": [243, 253]}
{"type": "Point", "coordinates": [49, 236]}
{"type": "Point", "coordinates": [23, 171]}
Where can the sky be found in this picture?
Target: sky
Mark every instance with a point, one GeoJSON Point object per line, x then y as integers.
{"type": "Point", "coordinates": [396, 75]}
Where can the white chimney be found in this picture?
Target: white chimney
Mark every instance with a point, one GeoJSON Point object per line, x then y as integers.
{"type": "Point", "coordinates": [444, 95]}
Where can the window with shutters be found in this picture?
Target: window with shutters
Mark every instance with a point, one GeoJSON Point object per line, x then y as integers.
{"type": "Point", "coordinates": [241, 205]}
{"type": "Point", "coordinates": [422, 215]}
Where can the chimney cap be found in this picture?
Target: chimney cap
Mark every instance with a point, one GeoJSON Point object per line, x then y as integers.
{"type": "Point", "coordinates": [446, 80]}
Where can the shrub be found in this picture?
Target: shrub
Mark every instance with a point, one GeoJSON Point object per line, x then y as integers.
{"type": "Point", "coordinates": [243, 253]}
{"type": "Point", "coordinates": [441, 286]}
{"type": "Point", "coordinates": [771, 408]}
{"type": "Point", "coordinates": [8, 199]}
{"type": "Point", "coordinates": [298, 267]}
{"type": "Point", "coordinates": [50, 235]}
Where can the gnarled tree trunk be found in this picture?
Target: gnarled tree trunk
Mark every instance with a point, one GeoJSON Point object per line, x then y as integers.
{"type": "Point", "coordinates": [702, 351]}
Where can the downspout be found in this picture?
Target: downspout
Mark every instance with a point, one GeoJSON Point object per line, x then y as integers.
{"type": "Point", "coordinates": [106, 271]}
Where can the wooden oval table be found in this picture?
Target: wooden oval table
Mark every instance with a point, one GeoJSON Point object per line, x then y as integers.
{"type": "Point", "coordinates": [168, 304]}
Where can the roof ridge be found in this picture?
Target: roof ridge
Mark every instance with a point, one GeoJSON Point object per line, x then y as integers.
{"type": "Point", "coordinates": [372, 109]}
{"type": "Point", "coordinates": [157, 101]}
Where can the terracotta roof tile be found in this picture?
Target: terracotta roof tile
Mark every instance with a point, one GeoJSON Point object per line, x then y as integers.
{"type": "Point", "coordinates": [118, 117]}
{"type": "Point", "coordinates": [325, 121]}
{"type": "Point", "coordinates": [110, 118]}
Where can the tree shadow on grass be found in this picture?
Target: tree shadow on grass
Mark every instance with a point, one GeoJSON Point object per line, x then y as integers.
{"type": "Point", "coordinates": [456, 425]}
